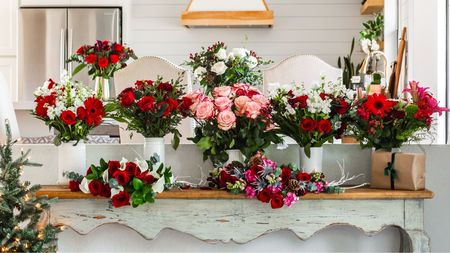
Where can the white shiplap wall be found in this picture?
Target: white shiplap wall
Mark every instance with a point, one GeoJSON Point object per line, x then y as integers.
{"type": "Point", "coordinates": [320, 27]}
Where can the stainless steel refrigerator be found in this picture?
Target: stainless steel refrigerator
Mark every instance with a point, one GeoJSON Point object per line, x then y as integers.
{"type": "Point", "coordinates": [49, 35]}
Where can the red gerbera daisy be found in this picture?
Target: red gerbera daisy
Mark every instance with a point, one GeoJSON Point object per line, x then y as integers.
{"type": "Point", "coordinates": [378, 104]}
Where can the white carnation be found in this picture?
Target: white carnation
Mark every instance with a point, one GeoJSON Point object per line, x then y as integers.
{"type": "Point", "coordinates": [219, 68]}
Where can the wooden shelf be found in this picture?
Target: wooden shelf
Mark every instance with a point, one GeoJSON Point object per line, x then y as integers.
{"type": "Point", "coordinates": [62, 192]}
{"type": "Point", "coordinates": [227, 18]}
{"type": "Point", "coordinates": [372, 6]}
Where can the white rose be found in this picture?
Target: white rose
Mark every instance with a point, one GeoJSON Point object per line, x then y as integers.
{"type": "Point", "coordinates": [84, 185]}
{"type": "Point", "coordinates": [105, 176]}
{"type": "Point", "coordinates": [240, 52]}
{"type": "Point", "coordinates": [252, 62]}
{"type": "Point", "coordinates": [221, 54]}
{"type": "Point", "coordinates": [158, 187]}
{"type": "Point", "coordinates": [199, 72]}
{"type": "Point", "coordinates": [219, 68]}
{"type": "Point", "coordinates": [143, 165]}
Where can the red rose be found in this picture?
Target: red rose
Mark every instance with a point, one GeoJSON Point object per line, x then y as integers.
{"type": "Point", "coordinates": [308, 125]}
{"type": "Point", "coordinates": [106, 191]}
{"type": "Point", "coordinates": [285, 174]}
{"type": "Point", "coordinates": [80, 51]}
{"type": "Point", "coordinates": [114, 58]}
{"type": "Point", "coordinates": [165, 87]}
{"type": "Point", "coordinates": [225, 177]}
{"type": "Point", "coordinates": [363, 113]}
{"type": "Point", "coordinates": [81, 113]}
{"type": "Point", "coordinates": [90, 58]}
{"type": "Point", "coordinates": [68, 117]}
{"type": "Point", "coordinates": [122, 177]}
{"type": "Point", "coordinates": [118, 48]}
{"type": "Point", "coordinates": [264, 195]}
{"type": "Point", "coordinates": [74, 186]}
{"type": "Point", "coordinates": [121, 199]}
{"type": "Point", "coordinates": [185, 103]}
{"type": "Point", "coordinates": [51, 83]}
{"type": "Point", "coordinates": [324, 126]}
{"type": "Point", "coordinates": [173, 104]}
{"type": "Point", "coordinates": [113, 166]}
{"type": "Point", "coordinates": [146, 177]}
{"type": "Point", "coordinates": [41, 109]}
{"type": "Point", "coordinates": [95, 187]}
{"type": "Point", "coordinates": [302, 176]}
{"type": "Point", "coordinates": [343, 107]}
{"type": "Point", "coordinates": [103, 62]}
{"type": "Point", "coordinates": [146, 103]}
{"type": "Point", "coordinates": [277, 201]}
{"type": "Point", "coordinates": [50, 99]}
{"type": "Point", "coordinates": [132, 169]}
{"type": "Point", "coordinates": [257, 169]}
{"type": "Point", "coordinates": [126, 97]}
{"type": "Point", "coordinates": [299, 101]}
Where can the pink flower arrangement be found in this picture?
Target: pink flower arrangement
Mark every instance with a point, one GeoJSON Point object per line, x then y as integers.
{"type": "Point", "coordinates": [230, 119]}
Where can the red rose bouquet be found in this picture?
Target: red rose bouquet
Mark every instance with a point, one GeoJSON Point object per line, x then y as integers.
{"type": "Point", "coordinates": [235, 117]}
{"type": "Point", "coordinates": [312, 117]}
{"type": "Point", "coordinates": [263, 179]}
{"type": "Point", "coordinates": [70, 108]}
{"type": "Point", "coordinates": [386, 124]}
{"type": "Point", "coordinates": [214, 66]}
{"type": "Point", "coordinates": [151, 108]}
{"type": "Point", "coordinates": [125, 182]}
{"type": "Point", "coordinates": [103, 58]}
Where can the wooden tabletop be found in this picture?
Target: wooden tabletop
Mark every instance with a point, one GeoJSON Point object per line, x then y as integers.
{"type": "Point", "coordinates": [62, 192]}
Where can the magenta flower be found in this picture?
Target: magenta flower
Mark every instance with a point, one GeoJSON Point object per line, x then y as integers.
{"type": "Point", "coordinates": [250, 176]}
{"type": "Point", "coordinates": [290, 199]}
{"type": "Point", "coordinates": [250, 192]}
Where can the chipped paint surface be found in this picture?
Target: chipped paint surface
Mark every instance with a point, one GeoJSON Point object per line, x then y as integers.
{"type": "Point", "coordinates": [242, 220]}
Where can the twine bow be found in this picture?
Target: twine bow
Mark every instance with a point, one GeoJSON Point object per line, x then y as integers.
{"type": "Point", "coordinates": [390, 171]}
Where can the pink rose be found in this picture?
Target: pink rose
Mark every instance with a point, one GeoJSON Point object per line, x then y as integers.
{"type": "Point", "coordinates": [196, 97]}
{"type": "Point", "coordinates": [240, 104]}
{"type": "Point", "coordinates": [261, 100]}
{"type": "Point", "coordinates": [223, 103]}
{"type": "Point", "coordinates": [240, 89]}
{"type": "Point", "coordinates": [205, 110]}
{"type": "Point", "coordinates": [252, 109]}
{"type": "Point", "coordinates": [223, 91]}
{"type": "Point", "coordinates": [226, 120]}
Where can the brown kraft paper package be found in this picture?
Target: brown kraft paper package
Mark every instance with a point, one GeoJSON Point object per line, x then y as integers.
{"type": "Point", "coordinates": [409, 170]}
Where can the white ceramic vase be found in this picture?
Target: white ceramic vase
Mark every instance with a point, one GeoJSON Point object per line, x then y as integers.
{"type": "Point", "coordinates": [71, 158]}
{"type": "Point", "coordinates": [312, 163]}
{"type": "Point", "coordinates": [234, 155]}
{"type": "Point", "coordinates": [154, 146]}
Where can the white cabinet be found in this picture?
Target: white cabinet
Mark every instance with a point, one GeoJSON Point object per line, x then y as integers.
{"type": "Point", "coordinates": [8, 27]}
{"type": "Point", "coordinates": [8, 72]}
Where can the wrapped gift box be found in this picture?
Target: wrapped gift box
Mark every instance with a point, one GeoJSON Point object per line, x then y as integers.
{"type": "Point", "coordinates": [409, 171]}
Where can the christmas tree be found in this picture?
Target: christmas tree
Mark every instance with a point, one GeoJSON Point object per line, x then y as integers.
{"type": "Point", "coordinates": [20, 209]}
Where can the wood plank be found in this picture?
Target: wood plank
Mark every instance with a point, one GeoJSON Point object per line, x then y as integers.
{"type": "Point", "coordinates": [372, 6]}
{"type": "Point", "coordinates": [62, 192]}
{"type": "Point", "coordinates": [227, 18]}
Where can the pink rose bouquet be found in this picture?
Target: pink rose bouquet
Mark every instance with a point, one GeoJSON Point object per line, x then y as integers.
{"type": "Point", "coordinates": [235, 117]}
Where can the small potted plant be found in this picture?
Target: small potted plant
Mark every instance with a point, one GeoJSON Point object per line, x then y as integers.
{"type": "Point", "coordinates": [103, 59]}
{"type": "Point", "coordinates": [151, 108]}
{"type": "Point", "coordinates": [72, 110]}
{"type": "Point", "coordinates": [385, 125]}
{"type": "Point", "coordinates": [312, 117]}
{"type": "Point", "coordinates": [215, 66]}
{"type": "Point", "coordinates": [235, 121]}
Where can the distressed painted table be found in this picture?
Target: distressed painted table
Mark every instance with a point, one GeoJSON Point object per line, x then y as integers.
{"type": "Point", "coordinates": [213, 215]}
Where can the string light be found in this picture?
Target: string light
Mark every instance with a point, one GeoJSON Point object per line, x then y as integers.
{"type": "Point", "coordinates": [40, 236]}
{"type": "Point", "coordinates": [38, 205]}
{"type": "Point", "coordinates": [4, 249]}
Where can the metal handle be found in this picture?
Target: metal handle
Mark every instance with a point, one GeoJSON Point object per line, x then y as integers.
{"type": "Point", "coordinates": [70, 49]}
{"type": "Point", "coordinates": [61, 50]}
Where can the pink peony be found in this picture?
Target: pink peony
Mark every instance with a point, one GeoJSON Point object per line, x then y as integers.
{"type": "Point", "coordinates": [240, 103]}
{"type": "Point", "coordinates": [226, 120]}
{"type": "Point", "coordinates": [290, 199]}
{"type": "Point", "coordinates": [261, 100]}
{"type": "Point", "coordinates": [205, 110]}
{"type": "Point", "coordinates": [250, 192]}
{"type": "Point", "coordinates": [252, 110]}
{"type": "Point", "coordinates": [223, 91]}
{"type": "Point", "coordinates": [223, 103]}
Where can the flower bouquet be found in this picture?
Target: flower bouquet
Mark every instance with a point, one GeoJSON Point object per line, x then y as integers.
{"type": "Point", "coordinates": [72, 110]}
{"type": "Point", "coordinates": [103, 59]}
{"type": "Point", "coordinates": [262, 178]}
{"type": "Point", "coordinates": [385, 124]}
{"type": "Point", "coordinates": [312, 117]}
{"type": "Point", "coordinates": [125, 182]}
{"type": "Point", "coordinates": [214, 66]}
{"type": "Point", "coordinates": [151, 108]}
{"type": "Point", "coordinates": [237, 117]}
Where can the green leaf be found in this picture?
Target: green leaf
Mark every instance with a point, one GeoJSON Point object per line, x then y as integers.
{"type": "Point", "coordinates": [78, 69]}
{"type": "Point", "coordinates": [103, 164]}
{"type": "Point", "coordinates": [204, 143]}
{"type": "Point", "coordinates": [176, 140]}
{"type": "Point", "coordinates": [137, 183]}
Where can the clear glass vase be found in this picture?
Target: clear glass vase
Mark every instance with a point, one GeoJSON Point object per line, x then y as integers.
{"type": "Point", "coordinates": [104, 88]}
